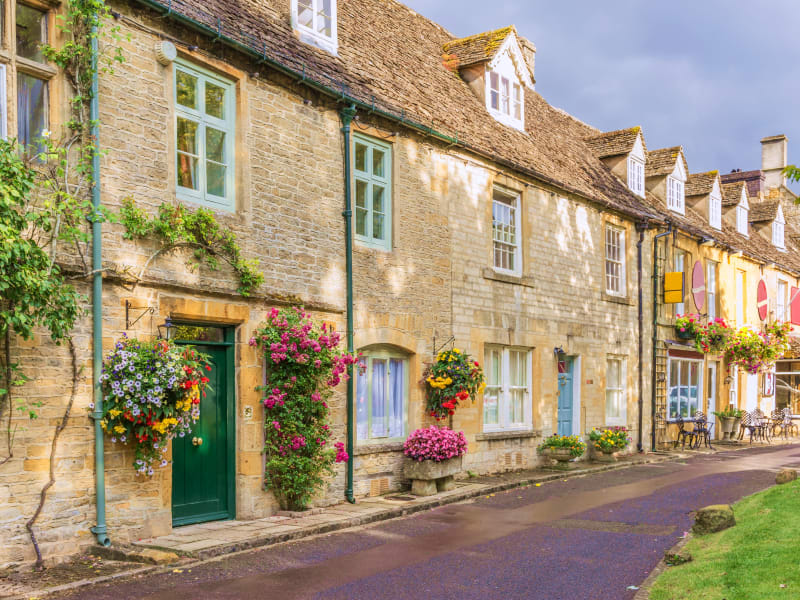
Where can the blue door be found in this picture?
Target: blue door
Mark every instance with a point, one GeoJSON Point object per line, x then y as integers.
{"type": "Point", "coordinates": [565, 397]}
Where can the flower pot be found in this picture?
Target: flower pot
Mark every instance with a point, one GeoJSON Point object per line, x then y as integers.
{"type": "Point", "coordinates": [684, 335]}
{"type": "Point", "coordinates": [726, 426]}
{"type": "Point", "coordinates": [735, 431]}
{"type": "Point", "coordinates": [428, 476]}
{"type": "Point", "coordinates": [603, 455]}
{"type": "Point", "coordinates": [562, 456]}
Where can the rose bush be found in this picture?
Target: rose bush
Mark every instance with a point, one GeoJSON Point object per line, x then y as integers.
{"type": "Point", "coordinates": [151, 394]}
{"type": "Point", "coordinates": [435, 443]}
{"type": "Point", "coordinates": [304, 364]}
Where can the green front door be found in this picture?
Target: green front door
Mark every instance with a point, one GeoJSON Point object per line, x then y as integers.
{"type": "Point", "coordinates": [202, 473]}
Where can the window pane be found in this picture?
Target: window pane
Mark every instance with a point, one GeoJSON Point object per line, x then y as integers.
{"type": "Point", "coordinates": [32, 109]}
{"type": "Point", "coordinates": [324, 18]}
{"type": "Point", "coordinates": [196, 333]}
{"type": "Point", "coordinates": [504, 95]}
{"type": "Point", "coordinates": [305, 12]}
{"type": "Point", "coordinates": [378, 212]}
{"type": "Point", "coordinates": [215, 179]}
{"type": "Point", "coordinates": [187, 154]}
{"type": "Point", "coordinates": [515, 409]}
{"type": "Point", "coordinates": [215, 145]}
{"type": "Point", "coordinates": [378, 398]}
{"type": "Point", "coordinates": [377, 162]}
{"type": "Point", "coordinates": [186, 89]}
{"type": "Point", "coordinates": [31, 32]}
{"type": "Point", "coordinates": [187, 136]}
{"type": "Point", "coordinates": [494, 94]}
{"type": "Point", "coordinates": [362, 415]}
{"type": "Point", "coordinates": [361, 207]}
{"type": "Point", "coordinates": [361, 157]}
{"type": "Point", "coordinates": [215, 101]}
{"type": "Point", "coordinates": [396, 397]}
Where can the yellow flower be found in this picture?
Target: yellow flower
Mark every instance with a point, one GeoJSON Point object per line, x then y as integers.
{"type": "Point", "coordinates": [114, 413]}
{"type": "Point", "coordinates": [119, 429]}
{"type": "Point", "coordinates": [456, 351]}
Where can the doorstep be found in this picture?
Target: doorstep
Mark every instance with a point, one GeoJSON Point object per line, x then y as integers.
{"type": "Point", "coordinates": [206, 540]}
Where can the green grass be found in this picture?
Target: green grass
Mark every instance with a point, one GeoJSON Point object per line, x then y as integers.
{"type": "Point", "coordinates": [747, 562]}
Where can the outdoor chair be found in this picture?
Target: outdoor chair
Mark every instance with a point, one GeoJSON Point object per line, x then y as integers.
{"type": "Point", "coordinates": [702, 430]}
{"type": "Point", "coordinates": [684, 433]}
{"type": "Point", "coordinates": [788, 425]}
{"type": "Point", "coordinates": [749, 425]}
{"type": "Point", "coordinates": [762, 425]}
{"type": "Point", "coordinates": [777, 423]}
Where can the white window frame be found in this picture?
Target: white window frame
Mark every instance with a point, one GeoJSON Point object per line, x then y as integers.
{"type": "Point", "coordinates": [616, 265]}
{"type": "Point", "coordinates": [715, 211]}
{"type": "Point", "coordinates": [370, 179]}
{"type": "Point", "coordinates": [778, 230]}
{"type": "Point", "coordinates": [636, 175]}
{"type": "Point", "coordinates": [368, 356]}
{"type": "Point", "coordinates": [203, 120]}
{"type": "Point", "coordinates": [679, 260]}
{"type": "Point", "coordinates": [780, 301]}
{"type": "Point", "coordinates": [503, 390]}
{"type": "Point", "coordinates": [508, 84]}
{"type": "Point", "coordinates": [620, 388]}
{"type": "Point", "coordinates": [507, 200]}
{"type": "Point", "coordinates": [740, 297]}
{"type": "Point", "coordinates": [684, 363]}
{"type": "Point", "coordinates": [711, 289]}
{"type": "Point", "coordinates": [3, 101]}
{"type": "Point", "coordinates": [311, 35]}
{"type": "Point", "coordinates": [675, 195]}
{"type": "Point", "coordinates": [743, 215]}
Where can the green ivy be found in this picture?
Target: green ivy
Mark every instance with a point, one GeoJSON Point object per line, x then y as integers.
{"type": "Point", "coordinates": [176, 226]}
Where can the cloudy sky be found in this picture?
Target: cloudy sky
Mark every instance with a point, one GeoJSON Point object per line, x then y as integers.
{"type": "Point", "coordinates": [715, 76]}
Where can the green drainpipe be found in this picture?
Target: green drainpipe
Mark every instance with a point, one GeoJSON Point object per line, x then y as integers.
{"type": "Point", "coordinates": [655, 337]}
{"type": "Point", "coordinates": [97, 304]}
{"type": "Point", "coordinates": [347, 114]}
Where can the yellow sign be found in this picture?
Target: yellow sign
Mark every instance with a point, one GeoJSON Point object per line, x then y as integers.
{"type": "Point", "coordinates": [673, 288]}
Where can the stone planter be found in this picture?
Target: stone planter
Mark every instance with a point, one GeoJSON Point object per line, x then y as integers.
{"type": "Point", "coordinates": [562, 456]}
{"type": "Point", "coordinates": [605, 456]}
{"type": "Point", "coordinates": [684, 335]}
{"type": "Point", "coordinates": [428, 477]}
{"type": "Point", "coordinates": [735, 431]}
{"type": "Point", "coordinates": [726, 427]}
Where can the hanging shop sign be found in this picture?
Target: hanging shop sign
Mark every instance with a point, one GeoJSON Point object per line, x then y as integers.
{"type": "Point", "coordinates": [699, 286]}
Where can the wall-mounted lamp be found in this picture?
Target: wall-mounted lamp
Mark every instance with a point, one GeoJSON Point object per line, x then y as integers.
{"type": "Point", "coordinates": [736, 253]}
{"type": "Point", "coordinates": [165, 52]}
{"type": "Point", "coordinates": [707, 241]}
{"type": "Point", "coordinates": [558, 350]}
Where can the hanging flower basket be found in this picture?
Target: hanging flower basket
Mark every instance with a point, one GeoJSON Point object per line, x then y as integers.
{"type": "Point", "coordinates": [452, 379]}
{"type": "Point", "coordinates": [151, 394]}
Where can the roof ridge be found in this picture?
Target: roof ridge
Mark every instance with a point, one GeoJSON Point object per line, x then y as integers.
{"type": "Point", "coordinates": [476, 36]}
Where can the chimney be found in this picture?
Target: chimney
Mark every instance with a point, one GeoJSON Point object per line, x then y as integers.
{"type": "Point", "coordinates": [773, 160]}
{"type": "Point", "coordinates": [529, 52]}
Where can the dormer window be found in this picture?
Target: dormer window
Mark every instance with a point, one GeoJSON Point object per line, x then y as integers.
{"type": "Point", "coordinates": [742, 215]}
{"type": "Point", "coordinates": [505, 98]}
{"type": "Point", "coordinates": [636, 176]}
{"type": "Point", "coordinates": [777, 230]}
{"type": "Point", "coordinates": [715, 211]}
{"type": "Point", "coordinates": [675, 198]}
{"type": "Point", "coordinates": [315, 23]}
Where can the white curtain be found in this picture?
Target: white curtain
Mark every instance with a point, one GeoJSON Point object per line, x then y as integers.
{"type": "Point", "coordinates": [362, 416]}
{"type": "Point", "coordinates": [378, 398]}
{"type": "Point", "coordinates": [396, 381]}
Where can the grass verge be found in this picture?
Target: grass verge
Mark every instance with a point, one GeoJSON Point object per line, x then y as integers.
{"type": "Point", "coordinates": [758, 558]}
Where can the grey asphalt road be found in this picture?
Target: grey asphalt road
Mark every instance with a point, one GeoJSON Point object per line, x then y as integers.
{"type": "Point", "coordinates": [593, 537]}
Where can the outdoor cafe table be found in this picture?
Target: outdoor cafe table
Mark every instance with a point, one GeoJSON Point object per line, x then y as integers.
{"type": "Point", "coordinates": [686, 421]}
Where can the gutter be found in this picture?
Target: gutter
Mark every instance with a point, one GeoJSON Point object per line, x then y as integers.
{"type": "Point", "coordinates": [655, 336]}
{"type": "Point", "coordinates": [341, 95]}
{"type": "Point", "coordinates": [347, 115]}
{"type": "Point", "coordinates": [99, 529]}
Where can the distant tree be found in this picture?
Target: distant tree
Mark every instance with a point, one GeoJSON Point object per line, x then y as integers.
{"type": "Point", "coordinates": [792, 173]}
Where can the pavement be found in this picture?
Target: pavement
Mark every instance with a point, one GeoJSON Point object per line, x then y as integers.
{"type": "Point", "coordinates": [595, 536]}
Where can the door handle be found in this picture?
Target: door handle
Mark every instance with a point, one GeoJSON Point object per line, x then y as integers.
{"type": "Point", "coordinates": [197, 441]}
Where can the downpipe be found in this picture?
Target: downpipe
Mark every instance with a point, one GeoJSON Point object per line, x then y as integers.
{"type": "Point", "coordinates": [99, 530]}
{"type": "Point", "coordinates": [347, 115]}
{"type": "Point", "coordinates": [641, 227]}
{"type": "Point", "coordinates": [655, 336]}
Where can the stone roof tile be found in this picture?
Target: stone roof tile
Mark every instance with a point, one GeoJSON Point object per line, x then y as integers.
{"type": "Point", "coordinates": [662, 161]}
{"type": "Point", "coordinates": [615, 143]}
{"type": "Point", "coordinates": [477, 48]}
{"type": "Point", "coordinates": [701, 184]}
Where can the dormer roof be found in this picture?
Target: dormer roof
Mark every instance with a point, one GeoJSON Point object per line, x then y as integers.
{"type": "Point", "coordinates": [701, 184]}
{"type": "Point", "coordinates": [615, 143]}
{"type": "Point", "coordinates": [663, 161]}
{"type": "Point", "coordinates": [487, 47]}
{"type": "Point", "coordinates": [732, 193]}
{"type": "Point", "coordinates": [764, 211]}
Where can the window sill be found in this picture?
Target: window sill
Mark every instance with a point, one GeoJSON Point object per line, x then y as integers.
{"type": "Point", "coordinates": [489, 273]}
{"type": "Point", "coordinates": [378, 448]}
{"type": "Point", "coordinates": [617, 299]}
{"type": "Point", "coordinates": [508, 435]}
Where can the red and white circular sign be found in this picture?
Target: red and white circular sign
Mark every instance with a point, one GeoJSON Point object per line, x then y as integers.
{"type": "Point", "coordinates": [699, 286]}
{"type": "Point", "coordinates": [762, 300]}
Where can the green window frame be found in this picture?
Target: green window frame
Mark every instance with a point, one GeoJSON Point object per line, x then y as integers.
{"type": "Point", "coordinates": [205, 131]}
{"type": "Point", "coordinates": [372, 193]}
{"type": "Point", "coordinates": [382, 387]}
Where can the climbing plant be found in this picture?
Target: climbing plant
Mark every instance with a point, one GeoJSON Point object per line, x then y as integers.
{"type": "Point", "coordinates": [45, 219]}
{"type": "Point", "coordinates": [177, 227]}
